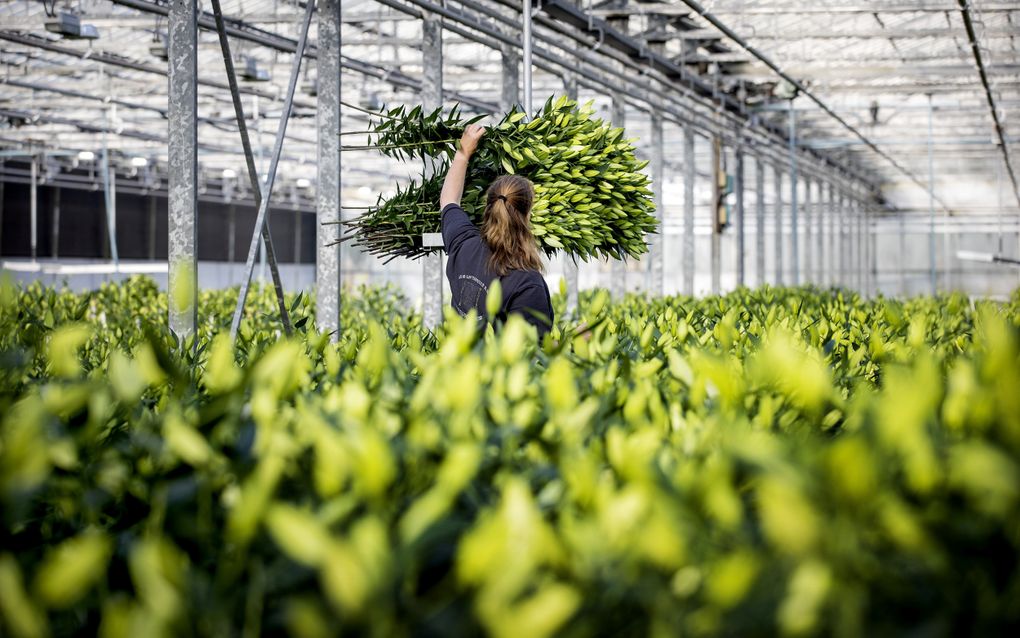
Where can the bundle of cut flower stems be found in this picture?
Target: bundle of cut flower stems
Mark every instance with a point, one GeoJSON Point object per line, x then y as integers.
{"type": "Point", "coordinates": [591, 197]}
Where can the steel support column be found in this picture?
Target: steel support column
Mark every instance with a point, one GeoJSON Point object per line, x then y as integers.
{"type": "Point", "coordinates": [777, 208]}
{"type": "Point", "coordinates": [1, 209]}
{"type": "Point", "coordinates": [843, 239]}
{"type": "Point", "coordinates": [794, 231]}
{"type": "Point", "coordinates": [328, 276]}
{"type": "Point", "coordinates": [717, 175]}
{"type": "Point", "coordinates": [738, 186]}
{"type": "Point", "coordinates": [859, 239]}
{"type": "Point", "coordinates": [511, 94]}
{"type": "Point", "coordinates": [759, 215]}
{"type": "Point", "coordinates": [152, 228]}
{"type": "Point", "coordinates": [833, 239]}
{"type": "Point", "coordinates": [873, 248]}
{"type": "Point", "coordinates": [298, 221]}
{"type": "Point", "coordinates": [527, 50]}
{"type": "Point", "coordinates": [902, 261]}
{"type": "Point", "coordinates": [618, 267]}
{"type": "Point", "coordinates": [110, 201]}
{"type": "Point", "coordinates": [690, 174]}
{"type": "Point", "coordinates": [933, 275]}
{"type": "Point", "coordinates": [182, 160]}
{"type": "Point", "coordinates": [231, 231]}
{"type": "Point", "coordinates": [33, 207]}
{"type": "Point", "coordinates": [432, 98]}
{"type": "Point", "coordinates": [818, 214]}
{"type": "Point", "coordinates": [852, 236]}
{"type": "Point", "coordinates": [55, 231]}
{"type": "Point", "coordinates": [656, 240]}
{"type": "Point", "coordinates": [571, 270]}
{"type": "Point", "coordinates": [810, 275]}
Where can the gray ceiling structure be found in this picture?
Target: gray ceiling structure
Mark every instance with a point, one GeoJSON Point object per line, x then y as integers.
{"type": "Point", "coordinates": [872, 64]}
{"type": "Point", "coordinates": [894, 103]}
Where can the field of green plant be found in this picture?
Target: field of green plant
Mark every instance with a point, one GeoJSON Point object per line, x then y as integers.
{"type": "Point", "coordinates": [769, 462]}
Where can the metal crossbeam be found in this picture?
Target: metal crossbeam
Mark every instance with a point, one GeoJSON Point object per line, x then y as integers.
{"type": "Point", "coordinates": [249, 158]}
{"type": "Point", "coordinates": [989, 95]}
{"type": "Point", "coordinates": [729, 33]}
{"type": "Point", "coordinates": [261, 217]}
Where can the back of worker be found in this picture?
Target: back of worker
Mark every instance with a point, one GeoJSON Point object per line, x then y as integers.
{"type": "Point", "coordinates": [504, 248]}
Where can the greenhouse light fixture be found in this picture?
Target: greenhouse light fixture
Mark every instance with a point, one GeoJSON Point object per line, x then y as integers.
{"type": "Point", "coordinates": [252, 72]}
{"type": "Point", "coordinates": [139, 162]}
{"type": "Point", "coordinates": [70, 26]}
{"type": "Point", "coordinates": [86, 156]}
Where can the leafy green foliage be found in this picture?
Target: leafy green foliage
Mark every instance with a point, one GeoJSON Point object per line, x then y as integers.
{"type": "Point", "coordinates": [591, 198]}
{"type": "Point", "coordinates": [775, 461]}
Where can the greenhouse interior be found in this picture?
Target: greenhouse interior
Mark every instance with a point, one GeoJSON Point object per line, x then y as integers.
{"type": "Point", "coordinates": [509, 317]}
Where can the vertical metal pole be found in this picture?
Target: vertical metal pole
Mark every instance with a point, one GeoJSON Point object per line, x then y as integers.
{"type": "Point", "coordinates": [863, 237]}
{"type": "Point", "coordinates": [570, 267]}
{"type": "Point", "coordinates": [266, 251]}
{"type": "Point", "coordinates": [851, 218]}
{"type": "Point", "coordinates": [152, 228]}
{"type": "Point", "coordinates": [432, 98]}
{"type": "Point", "coordinates": [328, 158]}
{"type": "Point", "coordinates": [818, 214]}
{"type": "Point", "coordinates": [231, 231]}
{"type": "Point", "coordinates": [689, 178]}
{"type": "Point", "coordinates": [809, 234]}
{"type": "Point", "coordinates": [844, 231]}
{"type": "Point", "coordinates": [873, 243]}
{"type": "Point", "coordinates": [656, 241]}
{"type": "Point", "coordinates": [833, 215]}
{"type": "Point", "coordinates": [903, 255]}
{"type": "Point", "coordinates": [1, 210]}
{"type": "Point", "coordinates": [298, 215]}
{"type": "Point", "coordinates": [795, 250]}
{"type": "Point", "coordinates": [931, 203]}
{"type": "Point", "coordinates": [33, 205]}
{"type": "Point", "coordinates": [718, 176]}
{"type": "Point", "coordinates": [738, 186]}
{"type": "Point", "coordinates": [262, 216]}
{"type": "Point", "coordinates": [777, 207]}
{"type": "Point", "coordinates": [859, 218]}
{"type": "Point", "coordinates": [182, 194]}
{"type": "Point", "coordinates": [55, 231]}
{"type": "Point", "coordinates": [511, 95]}
{"type": "Point", "coordinates": [109, 199]}
{"type": "Point", "coordinates": [618, 267]}
{"type": "Point", "coordinates": [527, 57]}
{"type": "Point", "coordinates": [759, 214]}
{"type": "Point", "coordinates": [111, 214]}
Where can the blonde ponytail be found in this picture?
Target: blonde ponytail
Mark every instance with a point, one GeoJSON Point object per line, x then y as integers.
{"type": "Point", "coordinates": [506, 226]}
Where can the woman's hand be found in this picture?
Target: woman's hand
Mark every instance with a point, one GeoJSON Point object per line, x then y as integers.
{"type": "Point", "coordinates": [469, 140]}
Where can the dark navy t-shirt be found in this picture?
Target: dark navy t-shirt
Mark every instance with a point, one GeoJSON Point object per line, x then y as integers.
{"type": "Point", "coordinates": [524, 291]}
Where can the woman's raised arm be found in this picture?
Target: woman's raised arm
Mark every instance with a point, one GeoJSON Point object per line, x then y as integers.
{"type": "Point", "coordinates": [453, 185]}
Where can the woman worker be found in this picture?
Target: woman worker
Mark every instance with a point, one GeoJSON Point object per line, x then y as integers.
{"type": "Point", "coordinates": [503, 249]}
